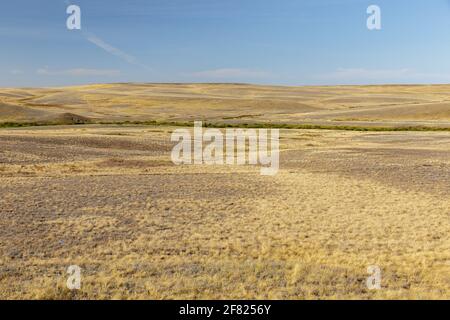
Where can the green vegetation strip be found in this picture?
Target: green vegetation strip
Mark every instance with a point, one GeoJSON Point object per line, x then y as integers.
{"type": "Point", "coordinates": [233, 125]}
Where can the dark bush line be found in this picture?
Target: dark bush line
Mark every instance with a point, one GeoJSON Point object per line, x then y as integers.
{"type": "Point", "coordinates": [229, 125]}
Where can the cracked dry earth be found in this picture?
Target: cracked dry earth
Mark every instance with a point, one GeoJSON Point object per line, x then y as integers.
{"type": "Point", "coordinates": [109, 200]}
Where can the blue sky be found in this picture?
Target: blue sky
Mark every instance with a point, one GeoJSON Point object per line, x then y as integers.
{"type": "Point", "coordinates": [287, 42]}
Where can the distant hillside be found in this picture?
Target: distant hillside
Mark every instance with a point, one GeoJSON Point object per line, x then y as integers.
{"type": "Point", "coordinates": [230, 103]}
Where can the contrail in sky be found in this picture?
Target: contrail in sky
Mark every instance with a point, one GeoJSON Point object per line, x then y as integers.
{"type": "Point", "coordinates": [113, 50]}
{"type": "Point", "coordinates": [92, 38]}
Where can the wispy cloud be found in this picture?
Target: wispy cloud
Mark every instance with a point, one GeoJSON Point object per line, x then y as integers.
{"type": "Point", "coordinates": [78, 72]}
{"type": "Point", "coordinates": [16, 72]}
{"type": "Point", "coordinates": [230, 73]}
{"type": "Point", "coordinates": [113, 50]}
{"type": "Point", "coordinates": [110, 49]}
{"type": "Point", "coordinates": [362, 75]}
{"type": "Point", "coordinates": [102, 44]}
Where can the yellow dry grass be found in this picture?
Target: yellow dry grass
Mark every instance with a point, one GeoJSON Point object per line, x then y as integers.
{"type": "Point", "coordinates": [109, 199]}
{"type": "Point", "coordinates": [232, 103]}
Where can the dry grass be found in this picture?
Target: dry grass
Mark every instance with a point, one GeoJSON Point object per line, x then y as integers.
{"type": "Point", "coordinates": [108, 199]}
{"type": "Point", "coordinates": [357, 106]}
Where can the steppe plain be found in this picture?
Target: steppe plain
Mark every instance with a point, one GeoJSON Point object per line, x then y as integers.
{"type": "Point", "coordinates": [104, 194]}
